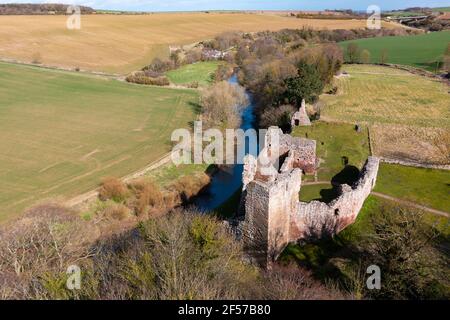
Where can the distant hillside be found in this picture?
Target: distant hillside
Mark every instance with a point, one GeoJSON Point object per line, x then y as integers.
{"type": "Point", "coordinates": [442, 9]}
{"type": "Point", "coordinates": [39, 9]}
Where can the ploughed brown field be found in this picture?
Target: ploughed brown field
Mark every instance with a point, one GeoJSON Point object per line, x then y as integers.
{"type": "Point", "coordinates": [123, 43]}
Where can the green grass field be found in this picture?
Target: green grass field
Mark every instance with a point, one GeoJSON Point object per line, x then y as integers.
{"type": "Point", "coordinates": [335, 141]}
{"type": "Point", "coordinates": [166, 175]}
{"type": "Point", "coordinates": [201, 72]}
{"type": "Point", "coordinates": [421, 51]}
{"type": "Point", "coordinates": [62, 132]}
{"type": "Point", "coordinates": [402, 14]}
{"type": "Point", "coordinates": [424, 186]}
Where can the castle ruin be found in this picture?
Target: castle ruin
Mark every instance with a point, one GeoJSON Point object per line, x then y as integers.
{"type": "Point", "coordinates": [300, 118]}
{"type": "Point", "coordinates": [274, 215]}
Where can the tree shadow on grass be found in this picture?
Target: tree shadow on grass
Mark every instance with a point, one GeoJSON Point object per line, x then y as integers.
{"type": "Point", "coordinates": [196, 107]}
{"type": "Point", "coordinates": [349, 175]}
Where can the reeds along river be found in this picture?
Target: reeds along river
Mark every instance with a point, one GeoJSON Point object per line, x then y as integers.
{"type": "Point", "coordinates": [228, 179]}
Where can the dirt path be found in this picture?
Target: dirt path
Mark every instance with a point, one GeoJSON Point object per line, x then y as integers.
{"type": "Point", "coordinates": [87, 197]}
{"type": "Point", "coordinates": [394, 199]}
{"type": "Point", "coordinates": [412, 204]}
{"type": "Point", "coordinates": [315, 183]}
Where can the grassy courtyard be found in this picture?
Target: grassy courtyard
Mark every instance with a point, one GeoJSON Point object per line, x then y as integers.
{"type": "Point", "coordinates": [338, 146]}
{"type": "Point", "coordinates": [62, 132]}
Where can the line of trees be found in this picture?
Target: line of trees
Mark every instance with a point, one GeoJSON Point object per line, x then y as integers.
{"type": "Point", "coordinates": [282, 68]}
{"type": "Point", "coordinates": [38, 9]}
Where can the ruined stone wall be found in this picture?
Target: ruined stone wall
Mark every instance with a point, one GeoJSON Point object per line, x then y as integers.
{"type": "Point", "coordinates": [317, 219]}
{"type": "Point", "coordinates": [277, 144]}
{"type": "Point", "coordinates": [274, 216]}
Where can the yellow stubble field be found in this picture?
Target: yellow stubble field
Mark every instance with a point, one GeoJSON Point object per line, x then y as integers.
{"type": "Point", "coordinates": [123, 43]}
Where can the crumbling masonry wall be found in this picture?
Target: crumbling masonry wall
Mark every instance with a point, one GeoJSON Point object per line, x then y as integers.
{"type": "Point", "coordinates": [274, 216]}
{"type": "Point", "coordinates": [317, 219]}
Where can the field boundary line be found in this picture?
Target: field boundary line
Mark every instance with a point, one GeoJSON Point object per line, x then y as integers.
{"type": "Point", "coordinates": [90, 196]}
{"type": "Point", "coordinates": [369, 137]}
{"type": "Point", "coordinates": [412, 70]}
{"type": "Point", "coordinates": [409, 163]}
{"type": "Point", "coordinates": [66, 69]}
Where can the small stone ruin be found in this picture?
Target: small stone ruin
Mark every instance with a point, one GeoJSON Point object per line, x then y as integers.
{"type": "Point", "coordinates": [300, 118]}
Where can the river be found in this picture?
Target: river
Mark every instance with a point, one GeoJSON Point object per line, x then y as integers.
{"type": "Point", "coordinates": [227, 181]}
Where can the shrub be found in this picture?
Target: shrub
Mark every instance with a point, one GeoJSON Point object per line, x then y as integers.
{"type": "Point", "coordinates": [160, 66]}
{"type": "Point", "coordinates": [353, 53]}
{"type": "Point", "coordinates": [384, 56]}
{"type": "Point", "coordinates": [114, 189]}
{"type": "Point", "coordinates": [365, 56]}
{"type": "Point", "coordinates": [293, 283]}
{"type": "Point", "coordinates": [307, 85]}
{"type": "Point", "coordinates": [189, 186]}
{"type": "Point", "coordinates": [222, 73]}
{"type": "Point", "coordinates": [192, 257]}
{"type": "Point", "coordinates": [406, 249]}
{"type": "Point", "coordinates": [45, 241]}
{"type": "Point", "coordinates": [193, 85]}
{"type": "Point", "coordinates": [116, 211]}
{"type": "Point", "coordinates": [193, 56]}
{"type": "Point", "coordinates": [36, 58]}
{"type": "Point", "coordinates": [446, 62]}
{"type": "Point", "coordinates": [220, 104]}
{"type": "Point", "coordinates": [278, 116]}
{"type": "Point", "coordinates": [141, 78]}
{"type": "Point", "coordinates": [147, 195]}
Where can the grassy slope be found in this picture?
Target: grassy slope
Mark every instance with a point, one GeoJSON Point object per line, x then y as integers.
{"type": "Point", "coordinates": [61, 132]}
{"type": "Point", "coordinates": [425, 186]}
{"type": "Point", "coordinates": [420, 51]}
{"type": "Point", "coordinates": [165, 175]}
{"type": "Point", "coordinates": [335, 141]}
{"type": "Point", "coordinates": [201, 72]}
{"type": "Point", "coordinates": [374, 94]}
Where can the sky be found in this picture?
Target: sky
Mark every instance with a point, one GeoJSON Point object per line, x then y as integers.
{"type": "Point", "coordinates": [195, 5]}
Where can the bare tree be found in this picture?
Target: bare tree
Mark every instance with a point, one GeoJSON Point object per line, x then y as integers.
{"type": "Point", "coordinates": [221, 104]}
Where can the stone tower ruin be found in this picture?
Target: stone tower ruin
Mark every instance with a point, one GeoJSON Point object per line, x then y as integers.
{"type": "Point", "coordinates": [274, 216]}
